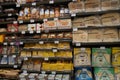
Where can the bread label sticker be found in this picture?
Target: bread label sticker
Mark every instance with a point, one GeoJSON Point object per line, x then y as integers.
{"type": "Point", "coordinates": [14, 56]}
{"type": "Point", "coordinates": [73, 15]}
{"type": "Point", "coordinates": [25, 58]}
{"type": "Point", "coordinates": [43, 72]}
{"type": "Point", "coordinates": [17, 5]}
{"type": "Point", "coordinates": [14, 22]}
{"type": "Point", "coordinates": [34, 4]}
{"type": "Point", "coordinates": [41, 42]}
{"type": "Point", "coordinates": [4, 55]}
{"type": "Point", "coordinates": [32, 20]}
{"type": "Point", "coordinates": [56, 42]}
{"type": "Point", "coordinates": [55, 19]}
{"type": "Point", "coordinates": [21, 42]}
{"type": "Point", "coordinates": [23, 32]}
{"type": "Point", "coordinates": [11, 43]}
{"type": "Point", "coordinates": [15, 66]}
{"type": "Point", "coordinates": [31, 32]}
{"type": "Point", "coordinates": [75, 29]}
{"type": "Point", "coordinates": [9, 14]}
{"type": "Point", "coordinates": [51, 1]}
{"type": "Point", "coordinates": [102, 47]}
{"type": "Point", "coordinates": [21, 21]}
{"type": "Point", "coordinates": [53, 72]}
{"type": "Point", "coordinates": [78, 44]}
{"type": "Point", "coordinates": [5, 43]}
{"type": "Point", "coordinates": [46, 59]}
{"type": "Point", "coordinates": [54, 50]}
{"type": "Point", "coordinates": [38, 32]}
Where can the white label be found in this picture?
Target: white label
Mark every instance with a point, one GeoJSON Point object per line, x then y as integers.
{"type": "Point", "coordinates": [32, 20]}
{"type": "Point", "coordinates": [13, 56]}
{"type": "Point", "coordinates": [38, 32]}
{"type": "Point", "coordinates": [21, 21]}
{"type": "Point", "coordinates": [21, 42]}
{"type": "Point", "coordinates": [54, 50]}
{"type": "Point", "coordinates": [75, 29]}
{"type": "Point", "coordinates": [15, 66]}
{"type": "Point", "coordinates": [34, 4]}
{"type": "Point", "coordinates": [78, 44]}
{"type": "Point", "coordinates": [14, 22]}
{"type": "Point", "coordinates": [31, 32]}
{"type": "Point", "coordinates": [5, 43]}
{"type": "Point", "coordinates": [102, 47]}
{"type": "Point", "coordinates": [43, 72]}
{"type": "Point", "coordinates": [23, 32]}
{"type": "Point", "coordinates": [4, 55]}
{"type": "Point", "coordinates": [41, 42]}
{"type": "Point", "coordinates": [46, 59]}
{"type": "Point", "coordinates": [11, 43]}
{"type": "Point", "coordinates": [51, 2]}
{"type": "Point", "coordinates": [9, 14]}
{"type": "Point", "coordinates": [17, 5]}
{"type": "Point", "coordinates": [83, 49]}
{"type": "Point", "coordinates": [45, 20]}
{"type": "Point", "coordinates": [55, 19]}
{"type": "Point", "coordinates": [73, 15]}
{"type": "Point", "coordinates": [25, 58]}
{"type": "Point", "coordinates": [53, 72]}
{"type": "Point", "coordinates": [56, 42]}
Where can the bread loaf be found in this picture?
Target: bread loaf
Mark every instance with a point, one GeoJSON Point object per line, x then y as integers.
{"type": "Point", "coordinates": [115, 4]}
{"type": "Point", "coordinates": [78, 22]}
{"type": "Point", "coordinates": [105, 4]}
{"type": "Point", "coordinates": [50, 24]}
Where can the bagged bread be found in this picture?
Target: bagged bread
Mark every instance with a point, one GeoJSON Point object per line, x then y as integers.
{"type": "Point", "coordinates": [80, 36]}
{"type": "Point", "coordinates": [110, 19]}
{"type": "Point", "coordinates": [115, 4]}
{"type": "Point", "coordinates": [95, 35]}
{"type": "Point", "coordinates": [22, 28]}
{"type": "Point", "coordinates": [110, 35]}
{"type": "Point", "coordinates": [50, 24]}
{"type": "Point", "coordinates": [105, 4]}
{"type": "Point", "coordinates": [78, 22]}
{"type": "Point", "coordinates": [92, 21]}
{"type": "Point", "coordinates": [92, 5]}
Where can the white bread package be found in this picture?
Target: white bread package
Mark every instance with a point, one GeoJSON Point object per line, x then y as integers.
{"type": "Point", "coordinates": [92, 5]}
{"type": "Point", "coordinates": [80, 36]}
{"type": "Point", "coordinates": [110, 19]}
{"type": "Point", "coordinates": [95, 35]}
{"type": "Point", "coordinates": [78, 22]}
{"type": "Point", "coordinates": [76, 7]}
{"type": "Point", "coordinates": [92, 21]}
{"type": "Point", "coordinates": [110, 35]}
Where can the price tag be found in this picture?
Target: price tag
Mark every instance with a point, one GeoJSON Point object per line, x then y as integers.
{"type": "Point", "coordinates": [34, 4]}
{"type": "Point", "coordinates": [17, 5]}
{"type": "Point", "coordinates": [46, 59]}
{"type": "Point", "coordinates": [12, 43]}
{"type": "Point", "coordinates": [4, 55]}
{"type": "Point", "coordinates": [78, 44]}
{"type": "Point", "coordinates": [43, 72]}
{"type": "Point", "coordinates": [15, 66]}
{"type": "Point", "coordinates": [73, 15]}
{"type": "Point", "coordinates": [13, 56]}
{"type": "Point", "coordinates": [56, 42]}
{"type": "Point", "coordinates": [75, 29]}
{"type": "Point", "coordinates": [5, 43]}
{"type": "Point", "coordinates": [25, 58]}
{"type": "Point", "coordinates": [21, 21]}
{"type": "Point", "coordinates": [55, 19]}
{"type": "Point", "coordinates": [51, 1]}
{"type": "Point", "coordinates": [38, 32]}
{"type": "Point", "coordinates": [41, 42]}
{"type": "Point", "coordinates": [14, 22]}
{"type": "Point", "coordinates": [21, 42]}
{"type": "Point", "coordinates": [53, 72]}
{"type": "Point", "coordinates": [23, 32]}
{"type": "Point", "coordinates": [45, 20]}
{"type": "Point", "coordinates": [102, 47]}
{"type": "Point", "coordinates": [9, 14]}
{"type": "Point", "coordinates": [55, 50]}
{"type": "Point", "coordinates": [31, 32]}
{"type": "Point", "coordinates": [32, 20]}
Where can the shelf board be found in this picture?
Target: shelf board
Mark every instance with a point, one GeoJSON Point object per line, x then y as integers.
{"type": "Point", "coordinates": [9, 66]}
{"type": "Point", "coordinates": [8, 15]}
{"type": "Point", "coordinates": [97, 12]}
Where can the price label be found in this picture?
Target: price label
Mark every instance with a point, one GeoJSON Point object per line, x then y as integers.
{"type": "Point", "coordinates": [53, 72]}
{"type": "Point", "coordinates": [55, 19]}
{"type": "Point", "coordinates": [13, 56]}
{"type": "Point", "coordinates": [4, 55]}
{"type": "Point", "coordinates": [12, 43]}
{"type": "Point", "coordinates": [5, 43]}
{"type": "Point", "coordinates": [15, 66]}
{"type": "Point", "coordinates": [45, 20]}
{"type": "Point", "coordinates": [21, 42]}
{"type": "Point", "coordinates": [73, 15]}
{"type": "Point", "coordinates": [55, 50]}
{"type": "Point", "coordinates": [23, 32]}
{"type": "Point", "coordinates": [9, 14]}
{"type": "Point", "coordinates": [21, 21]}
{"type": "Point", "coordinates": [75, 29]}
{"type": "Point", "coordinates": [78, 44]}
{"type": "Point", "coordinates": [38, 32]}
{"type": "Point", "coordinates": [14, 22]}
{"type": "Point", "coordinates": [31, 32]}
{"type": "Point", "coordinates": [41, 42]}
{"type": "Point", "coordinates": [17, 5]}
{"type": "Point", "coordinates": [46, 59]}
{"type": "Point", "coordinates": [51, 1]}
{"type": "Point", "coordinates": [34, 4]}
{"type": "Point", "coordinates": [43, 72]}
{"type": "Point", "coordinates": [56, 42]}
{"type": "Point", "coordinates": [32, 20]}
{"type": "Point", "coordinates": [102, 47]}
{"type": "Point", "coordinates": [25, 58]}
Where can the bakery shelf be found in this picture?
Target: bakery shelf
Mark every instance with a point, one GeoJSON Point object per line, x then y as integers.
{"type": "Point", "coordinates": [95, 44]}
{"type": "Point", "coordinates": [97, 12]}
{"type": "Point", "coordinates": [47, 72]}
{"type": "Point", "coordinates": [53, 49]}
